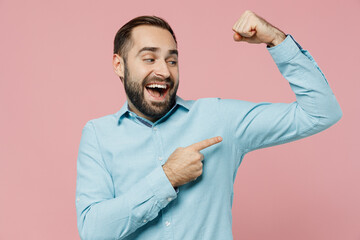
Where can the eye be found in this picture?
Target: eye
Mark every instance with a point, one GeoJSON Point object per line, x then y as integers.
{"type": "Point", "coordinates": [150, 60]}
{"type": "Point", "coordinates": [172, 63]}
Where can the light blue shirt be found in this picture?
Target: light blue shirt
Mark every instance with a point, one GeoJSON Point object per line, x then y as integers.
{"type": "Point", "coordinates": [122, 191]}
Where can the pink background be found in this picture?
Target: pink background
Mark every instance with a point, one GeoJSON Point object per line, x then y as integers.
{"type": "Point", "coordinates": [56, 74]}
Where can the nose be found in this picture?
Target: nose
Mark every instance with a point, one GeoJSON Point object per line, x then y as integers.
{"type": "Point", "coordinates": [162, 69]}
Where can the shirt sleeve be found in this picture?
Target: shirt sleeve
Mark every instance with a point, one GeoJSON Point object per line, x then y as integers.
{"type": "Point", "coordinates": [101, 215]}
{"type": "Point", "coordinates": [259, 125]}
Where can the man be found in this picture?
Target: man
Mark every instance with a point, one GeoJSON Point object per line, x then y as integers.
{"type": "Point", "coordinates": [163, 167]}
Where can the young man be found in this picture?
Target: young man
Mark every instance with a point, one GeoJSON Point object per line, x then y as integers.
{"type": "Point", "coordinates": [163, 167]}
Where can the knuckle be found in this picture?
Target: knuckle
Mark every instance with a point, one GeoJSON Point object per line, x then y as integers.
{"type": "Point", "coordinates": [194, 159]}
{"type": "Point", "coordinates": [199, 167]}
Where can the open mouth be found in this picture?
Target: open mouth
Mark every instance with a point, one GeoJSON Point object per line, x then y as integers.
{"type": "Point", "coordinates": [158, 91]}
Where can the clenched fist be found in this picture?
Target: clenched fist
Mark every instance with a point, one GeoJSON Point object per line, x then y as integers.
{"type": "Point", "coordinates": [254, 29]}
{"type": "Point", "coordinates": [185, 163]}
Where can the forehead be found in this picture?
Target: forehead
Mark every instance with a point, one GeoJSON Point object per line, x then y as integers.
{"type": "Point", "coordinates": [151, 36]}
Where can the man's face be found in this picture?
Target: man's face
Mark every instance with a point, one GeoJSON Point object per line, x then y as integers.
{"type": "Point", "coordinates": [151, 74]}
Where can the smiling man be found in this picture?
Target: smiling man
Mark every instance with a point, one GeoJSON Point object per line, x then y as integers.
{"type": "Point", "coordinates": [151, 89]}
{"type": "Point", "coordinates": [163, 167]}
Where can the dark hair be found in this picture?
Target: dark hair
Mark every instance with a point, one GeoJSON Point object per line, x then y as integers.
{"type": "Point", "coordinates": [122, 40]}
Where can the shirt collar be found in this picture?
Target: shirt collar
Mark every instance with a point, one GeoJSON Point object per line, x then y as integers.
{"type": "Point", "coordinates": [125, 108]}
{"type": "Point", "coordinates": [183, 103]}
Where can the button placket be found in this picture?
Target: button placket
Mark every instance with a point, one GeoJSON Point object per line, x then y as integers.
{"type": "Point", "coordinates": [160, 159]}
{"type": "Point", "coordinates": [158, 143]}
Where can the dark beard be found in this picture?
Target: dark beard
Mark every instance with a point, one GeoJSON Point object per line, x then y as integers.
{"type": "Point", "coordinates": [135, 93]}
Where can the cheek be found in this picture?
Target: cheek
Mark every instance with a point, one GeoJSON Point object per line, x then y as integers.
{"type": "Point", "coordinates": [175, 74]}
{"type": "Point", "coordinates": [141, 73]}
{"type": "Point", "coordinates": [138, 77]}
{"type": "Point", "coordinates": [138, 71]}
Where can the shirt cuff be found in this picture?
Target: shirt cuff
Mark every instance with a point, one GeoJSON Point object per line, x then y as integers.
{"type": "Point", "coordinates": [161, 187]}
{"type": "Point", "coordinates": [285, 51]}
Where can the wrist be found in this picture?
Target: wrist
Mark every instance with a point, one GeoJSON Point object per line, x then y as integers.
{"type": "Point", "coordinates": [169, 174]}
{"type": "Point", "coordinates": [279, 38]}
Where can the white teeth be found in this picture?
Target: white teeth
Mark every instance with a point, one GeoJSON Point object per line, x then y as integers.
{"type": "Point", "coordinates": [156, 86]}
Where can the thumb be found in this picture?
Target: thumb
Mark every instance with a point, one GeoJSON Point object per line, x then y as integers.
{"type": "Point", "coordinates": [237, 37]}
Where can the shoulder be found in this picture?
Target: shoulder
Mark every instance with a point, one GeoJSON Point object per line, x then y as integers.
{"type": "Point", "coordinates": [201, 102]}
{"type": "Point", "coordinates": [220, 103]}
{"type": "Point", "coordinates": [104, 123]}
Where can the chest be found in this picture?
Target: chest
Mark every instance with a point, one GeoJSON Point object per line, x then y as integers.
{"type": "Point", "coordinates": [131, 153]}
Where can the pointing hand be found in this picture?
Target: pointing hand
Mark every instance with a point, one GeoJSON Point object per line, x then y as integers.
{"type": "Point", "coordinates": [254, 29]}
{"type": "Point", "coordinates": [185, 163]}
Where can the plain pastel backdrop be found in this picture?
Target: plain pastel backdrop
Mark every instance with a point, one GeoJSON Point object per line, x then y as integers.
{"type": "Point", "coordinates": [56, 74]}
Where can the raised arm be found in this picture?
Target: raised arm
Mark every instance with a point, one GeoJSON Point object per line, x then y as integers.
{"type": "Point", "coordinates": [259, 125]}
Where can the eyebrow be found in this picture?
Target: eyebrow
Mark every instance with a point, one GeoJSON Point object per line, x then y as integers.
{"type": "Point", "coordinates": [155, 49]}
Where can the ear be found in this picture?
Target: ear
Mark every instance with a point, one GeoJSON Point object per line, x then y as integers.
{"type": "Point", "coordinates": [118, 64]}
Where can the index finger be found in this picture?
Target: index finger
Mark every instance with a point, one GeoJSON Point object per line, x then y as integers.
{"type": "Point", "coordinates": [205, 143]}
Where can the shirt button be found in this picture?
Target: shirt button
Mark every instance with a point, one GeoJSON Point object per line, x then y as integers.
{"type": "Point", "coordinates": [131, 114]}
{"type": "Point", "coordinates": [155, 128]}
{"type": "Point", "coordinates": [160, 158]}
{"type": "Point", "coordinates": [169, 199]}
{"type": "Point", "coordinates": [144, 221]}
{"type": "Point", "coordinates": [167, 223]}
